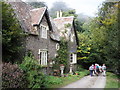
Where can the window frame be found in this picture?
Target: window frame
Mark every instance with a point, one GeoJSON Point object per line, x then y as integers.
{"type": "Point", "coordinates": [43, 30]}
{"type": "Point", "coordinates": [73, 58]}
{"type": "Point", "coordinates": [43, 56]}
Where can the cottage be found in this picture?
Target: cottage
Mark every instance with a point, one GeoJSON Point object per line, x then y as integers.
{"type": "Point", "coordinates": [44, 34]}
{"type": "Point", "coordinates": [42, 39]}
{"type": "Point", "coordinates": [67, 30]}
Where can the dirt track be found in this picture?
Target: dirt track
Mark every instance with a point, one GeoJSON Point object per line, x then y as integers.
{"type": "Point", "coordinates": [89, 82]}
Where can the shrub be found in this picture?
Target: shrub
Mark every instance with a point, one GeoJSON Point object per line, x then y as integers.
{"type": "Point", "coordinates": [12, 76]}
{"type": "Point", "coordinates": [54, 80]}
{"type": "Point", "coordinates": [31, 68]}
{"type": "Point", "coordinates": [84, 73]}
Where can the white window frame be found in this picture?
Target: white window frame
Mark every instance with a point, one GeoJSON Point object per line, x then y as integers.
{"type": "Point", "coordinates": [73, 58]}
{"type": "Point", "coordinates": [43, 29]}
{"type": "Point", "coordinates": [43, 57]}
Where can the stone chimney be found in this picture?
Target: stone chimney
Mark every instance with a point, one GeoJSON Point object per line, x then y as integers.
{"type": "Point", "coordinates": [59, 14]}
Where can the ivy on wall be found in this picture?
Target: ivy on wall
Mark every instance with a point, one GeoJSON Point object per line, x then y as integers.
{"type": "Point", "coordinates": [62, 57]}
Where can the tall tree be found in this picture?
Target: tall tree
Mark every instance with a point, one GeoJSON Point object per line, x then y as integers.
{"type": "Point", "coordinates": [11, 34]}
{"type": "Point", "coordinates": [103, 36]}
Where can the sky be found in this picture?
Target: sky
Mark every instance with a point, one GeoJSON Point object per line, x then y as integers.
{"type": "Point", "coordinates": [86, 7]}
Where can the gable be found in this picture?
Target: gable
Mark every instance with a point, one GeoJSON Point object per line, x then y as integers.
{"type": "Point", "coordinates": [36, 15]}
{"type": "Point", "coordinates": [66, 23]}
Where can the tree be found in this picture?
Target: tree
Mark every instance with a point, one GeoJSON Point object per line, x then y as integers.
{"type": "Point", "coordinates": [62, 57]}
{"type": "Point", "coordinates": [57, 6]}
{"type": "Point", "coordinates": [103, 37]}
{"type": "Point", "coordinates": [78, 24]}
{"type": "Point", "coordinates": [11, 34]}
{"type": "Point", "coordinates": [37, 4]}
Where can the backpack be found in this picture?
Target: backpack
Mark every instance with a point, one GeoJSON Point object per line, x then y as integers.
{"type": "Point", "coordinates": [97, 67]}
{"type": "Point", "coordinates": [91, 68]}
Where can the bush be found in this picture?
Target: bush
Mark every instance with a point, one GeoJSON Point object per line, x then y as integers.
{"type": "Point", "coordinates": [83, 72]}
{"type": "Point", "coordinates": [31, 68]}
{"type": "Point", "coordinates": [54, 80]}
{"type": "Point", "coordinates": [12, 76]}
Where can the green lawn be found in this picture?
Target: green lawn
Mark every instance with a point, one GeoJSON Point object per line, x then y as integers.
{"type": "Point", "coordinates": [113, 81]}
{"type": "Point", "coordinates": [57, 82]}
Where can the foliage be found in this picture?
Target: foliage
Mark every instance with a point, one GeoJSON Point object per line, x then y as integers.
{"type": "Point", "coordinates": [13, 76]}
{"type": "Point", "coordinates": [11, 34]}
{"type": "Point", "coordinates": [58, 82]}
{"type": "Point", "coordinates": [112, 80]}
{"type": "Point", "coordinates": [54, 80]}
{"type": "Point", "coordinates": [57, 6]}
{"type": "Point", "coordinates": [31, 68]}
{"type": "Point", "coordinates": [62, 57]}
{"type": "Point", "coordinates": [104, 31]}
{"type": "Point", "coordinates": [83, 73]}
{"type": "Point", "coordinates": [72, 12]}
{"type": "Point", "coordinates": [101, 36]}
{"type": "Point", "coordinates": [37, 4]}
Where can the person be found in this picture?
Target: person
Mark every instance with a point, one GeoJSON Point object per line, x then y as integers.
{"type": "Point", "coordinates": [100, 69]}
{"type": "Point", "coordinates": [104, 70]}
{"type": "Point", "coordinates": [91, 68]}
{"type": "Point", "coordinates": [96, 69]}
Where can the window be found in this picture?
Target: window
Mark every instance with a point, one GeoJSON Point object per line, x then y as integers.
{"type": "Point", "coordinates": [43, 57]}
{"type": "Point", "coordinates": [43, 31]}
{"type": "Point", "coordinates": [57, 46]}
{"type": "Point", "coordinates": [73, 58]}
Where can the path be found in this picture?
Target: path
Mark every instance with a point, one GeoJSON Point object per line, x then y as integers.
{"type": "Point", "coordinates": [88, 82]}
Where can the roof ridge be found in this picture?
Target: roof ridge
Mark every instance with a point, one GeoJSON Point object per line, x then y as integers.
{"type": "Point", "coordinates": [38, 8]}
{"type": "Point", "coordinates": [65, 17]}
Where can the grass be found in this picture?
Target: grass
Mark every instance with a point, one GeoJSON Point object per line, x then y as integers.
{"type": "Point", "coordinates": [113, 81]}
{"type": "Point", "coordinates": [58, 82]}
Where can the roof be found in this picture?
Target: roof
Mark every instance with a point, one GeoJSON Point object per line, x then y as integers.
{"type": "Point", "coordinates": [21, 10]}
{"type": "Point", "coordinates": [61, 21]}
{"type": "Point", "coordinates": [55, 33]}
{"type": "Point", "coordinates": [37, 14]}
{"type": "Point", "coordinates": [28, 16]}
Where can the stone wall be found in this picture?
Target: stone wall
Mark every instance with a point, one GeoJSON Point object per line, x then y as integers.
{"type": "Point", "coordinates": [35, 42]}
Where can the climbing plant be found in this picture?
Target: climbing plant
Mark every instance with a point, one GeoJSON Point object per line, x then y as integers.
{"type": "Point", "coordinates": [62, 57]}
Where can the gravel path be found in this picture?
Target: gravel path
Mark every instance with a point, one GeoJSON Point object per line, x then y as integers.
{"type": "Point", "coordinates": [89, 82]}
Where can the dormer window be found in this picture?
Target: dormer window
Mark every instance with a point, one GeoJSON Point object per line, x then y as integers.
{"type": "Point", "coordinates": [43, 31]}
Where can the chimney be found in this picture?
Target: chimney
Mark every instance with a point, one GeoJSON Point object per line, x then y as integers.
{"type": "Point", "coordinates": [59, 14]}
